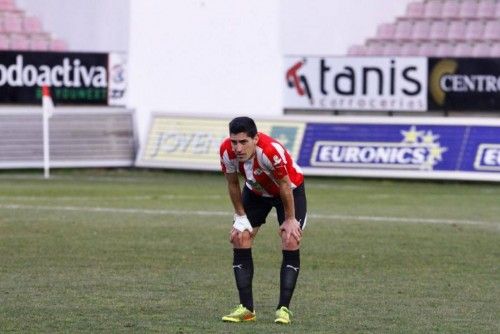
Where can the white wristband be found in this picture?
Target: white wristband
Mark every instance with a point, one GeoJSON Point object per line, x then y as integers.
{"type": "Point", "coordinates": [241, 223]}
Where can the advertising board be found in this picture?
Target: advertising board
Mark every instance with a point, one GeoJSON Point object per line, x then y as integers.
{"type": "Point", "coordinates": [193, 143]}
{"type": "Point", "coordinates": [74, 78]}
{"type": "Point", "coordinates": [355, 83]}
{"type": "Point", "coordinates": [412, 149]}
{"type": "Point", "coordinates": [464, 84]}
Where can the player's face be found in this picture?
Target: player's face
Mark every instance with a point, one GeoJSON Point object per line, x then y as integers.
{"type": "Point", "coordinates": [243, 145]}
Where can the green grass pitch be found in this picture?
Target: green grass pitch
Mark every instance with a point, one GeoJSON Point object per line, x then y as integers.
{"type": "Point", "coordinates": [148, 251]}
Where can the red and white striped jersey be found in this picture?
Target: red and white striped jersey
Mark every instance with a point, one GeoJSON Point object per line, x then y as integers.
{"type": "Point", "coordinates": [270, 163]}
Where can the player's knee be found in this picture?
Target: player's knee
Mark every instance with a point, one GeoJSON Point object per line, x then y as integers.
{"type": "Point", "coordinates": [290, 244]}
{"type": "Point", "coordinates": [243, 240]}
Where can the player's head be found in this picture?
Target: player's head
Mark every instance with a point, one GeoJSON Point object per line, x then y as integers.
{"type": "Point", "coordinates": [244, 137]}
{"type": "Point", "coordinates": [243, 124]}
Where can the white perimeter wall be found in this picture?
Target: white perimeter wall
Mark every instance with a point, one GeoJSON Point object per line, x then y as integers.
{"type": "Point", "coordinates": [225, 57]}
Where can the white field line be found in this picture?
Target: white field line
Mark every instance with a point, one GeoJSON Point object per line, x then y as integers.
{"type": "Point", "coordinates": [228, 214]}
{"type": "Point", "coordinates": [118, 179]}
{"type": "Point", "coordinates": [69, 198]}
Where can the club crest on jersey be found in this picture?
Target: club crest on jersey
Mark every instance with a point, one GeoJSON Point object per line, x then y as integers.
{"type": "Point", "coordinates": [277, 160]}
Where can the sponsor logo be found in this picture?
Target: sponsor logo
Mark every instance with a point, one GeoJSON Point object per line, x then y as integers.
{"type": "Point", "coordinates": [70, 73]}
{"type": "Point", "coordinates": [355, 83]}
{"type": "Point", "coordinates": [443, 68]}
{"type": "Point", "coordinates": [292, 267]}
{"type": "Point", "coordinates": [118, 74]}
{"type": "Point", "coordinates": [445, 80]}
{"type": "Point", "coordinates": [276, 160]}
{"type": "Point", "coordinates": [257, 171]}
{"type": "Point", "coordinates": [117, 79]}
{"type": "Point", "coordinates": [418, 150]}
{"type": "Point", "coordinates": [184, 142]}
{"type": "Point", "coordinates": [470, 83]}
{"type": "Point", "coordinates": [487, 157]}
{"type": "Point", "coordinates": [297, 81]}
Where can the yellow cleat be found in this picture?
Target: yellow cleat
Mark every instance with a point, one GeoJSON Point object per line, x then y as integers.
{"type": "Point", "coordinates": [240, 314]}
{"type": "Point", "coordinates": [283, 315]}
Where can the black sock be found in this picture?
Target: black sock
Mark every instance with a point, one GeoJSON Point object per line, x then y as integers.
{"type": "Point", "coordinates": [243, 274]}
{"type": "Point", "coordinates": [288, 277]}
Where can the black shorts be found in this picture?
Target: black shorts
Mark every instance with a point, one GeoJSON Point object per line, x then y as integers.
{"type": "Point", "coordinates": [258, 207]}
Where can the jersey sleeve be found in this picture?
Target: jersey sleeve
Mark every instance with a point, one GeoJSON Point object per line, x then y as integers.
{"type": "Point", "coordinates": [227, 158]}
{"type": "Point", "coordinates": [275, 153]}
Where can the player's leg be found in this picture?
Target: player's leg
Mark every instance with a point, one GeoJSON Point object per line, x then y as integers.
{"type": "Point", "coordinates": [243, 267]}
{"type": "Point", "coordinates": [243, 274]}
{"type": "Point", "coordinates": [256, 211]}
{"type": "Point", "coordinates": [290, 265]}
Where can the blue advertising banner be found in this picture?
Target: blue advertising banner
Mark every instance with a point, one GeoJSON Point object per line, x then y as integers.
{"type": "Point", "coordinates": [406, 148]}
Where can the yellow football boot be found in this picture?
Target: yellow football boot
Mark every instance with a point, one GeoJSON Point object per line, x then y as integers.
{"type": "Point", "coordinates": [240, 314]}
{"type": "Point", "coordinates": [283, 315]}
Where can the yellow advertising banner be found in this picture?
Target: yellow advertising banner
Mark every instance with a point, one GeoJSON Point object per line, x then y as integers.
{"type": "Point", "coordinates": [193, 143]}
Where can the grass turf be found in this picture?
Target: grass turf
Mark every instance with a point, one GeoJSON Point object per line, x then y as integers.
{"type": "Point", "coordinates": [148, 251]}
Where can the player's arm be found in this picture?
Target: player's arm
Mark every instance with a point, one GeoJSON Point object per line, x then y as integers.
{"type": "Point", "coordinates": [290, 226]}
{"type": "Point", "coordinates": [234, 190]}
{"type": "Point", "coordinates": [241, 222]}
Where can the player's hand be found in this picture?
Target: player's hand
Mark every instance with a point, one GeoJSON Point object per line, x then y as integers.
{"type": "Point", "coordinates": [241, 223]}
{"type": "Point", "coordinates": [291, 228]}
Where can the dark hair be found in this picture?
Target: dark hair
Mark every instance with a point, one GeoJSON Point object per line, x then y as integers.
{"type": "Point", "coordinates": [243, 124]}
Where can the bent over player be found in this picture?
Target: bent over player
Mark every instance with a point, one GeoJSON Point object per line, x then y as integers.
{"type": "Point", "coordinates": [272, 179]}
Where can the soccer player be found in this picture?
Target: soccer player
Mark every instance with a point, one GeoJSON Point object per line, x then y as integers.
{"type": "Point", "coordinates": [272, 179]}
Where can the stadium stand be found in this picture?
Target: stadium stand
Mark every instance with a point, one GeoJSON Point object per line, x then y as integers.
{"type": "Point", "coordinates": [461, 28]}
{"type": "Point", "coordinates": [495, 50]}
{"type": "Point", "coordinates": [20, 31]}
{"type": "Point", "coordinates": [32, 24]}
{"type": "Point", "coordinates": [7, 5]}
{"type": "Point", "coordinates": [444, 49]}
{"type": "Point", "coordinates": [486, 9]}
